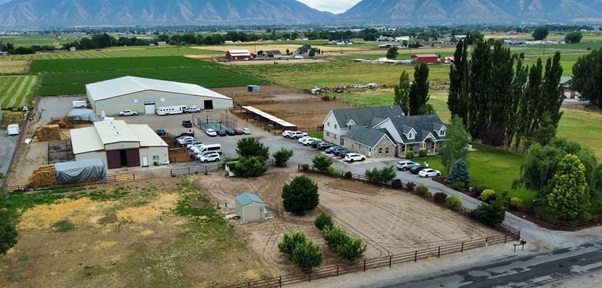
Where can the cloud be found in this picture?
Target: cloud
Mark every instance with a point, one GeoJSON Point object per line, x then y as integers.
{"type": "Point", "coordinates": [334, 6]}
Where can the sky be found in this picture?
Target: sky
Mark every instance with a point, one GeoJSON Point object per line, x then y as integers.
{"type": "Point", "coordinates": [334, 6]}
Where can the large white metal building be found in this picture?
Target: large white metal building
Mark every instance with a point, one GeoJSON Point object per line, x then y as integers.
{"type": "Point", "coordinates": [145, 95]}
{"type": "Point", "coordinates": [119, 144]}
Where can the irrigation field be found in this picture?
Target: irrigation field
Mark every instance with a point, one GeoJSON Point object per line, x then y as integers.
{"type": "Point", "coordinates": [16, 91]}
{"type": "Point", "coordinates": [122, 52]}
{"type": "Point", "coordinates": [69, 76]}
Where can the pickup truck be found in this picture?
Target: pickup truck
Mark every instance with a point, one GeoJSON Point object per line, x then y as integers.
{"type": "Point", "coordinates": [192, 110]}
{"type": "Point", "coordinates": [128, 112]}
{"type": "Point", "coordinates": [187, 123]}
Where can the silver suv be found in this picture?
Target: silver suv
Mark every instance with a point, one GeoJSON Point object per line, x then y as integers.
{"type": "Point", "coordinates": [404, 165]}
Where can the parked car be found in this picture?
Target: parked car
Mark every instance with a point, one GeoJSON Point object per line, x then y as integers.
{"type": "Point", "coordinates": [404, 165]}
{"type": "Point", "coordinates": [210, 132]}
{"type": "Point", "coordinates": [311, 142]}
{"type": "Point", "coordinates": [323, 145]}
{"type": "Point", "coordinates": [161, 132]}
{"type": "Point", "coordinates": [306, 140]}
{"type": "Point", "coordinates": [191, 147]}
{"type": "Point", "coordinates": [246, 131]}
{"type": "Point", "coordinates": [297, 134]}
{"type": "Point", "coordinates": [230, 131]}
{"type": "Point", "coordinates": [192, 110]}
{"type": "Point", "coordinates": [187, 141]}
{"type": "Point", "coordinates": [183, 138]}
{"type": "Point", "coordinates": [428, 172]}
{"type": "Point", "coordinates": [209, 157]}
{"type": "Point", "coordinates": [187, 123]}
{"type": "Point", "coordinates": [416, 169]}
{"type": "Point", "coordinates": [128, 112]}
{"type": "Point", "coordinates": [221, 133]}
{"type": "Point", "coordinates": [333, 149]}
{"type": "Point", "coordinates": [238, 132]}
{"type": "Point", "coordinates": [341, 151]}
{"type": "Point", "coordinates": [286, 133]}
{"type": "Point", "coordinates": [345, 152]}
{"type": "Point", "coordinates": [351, 157]}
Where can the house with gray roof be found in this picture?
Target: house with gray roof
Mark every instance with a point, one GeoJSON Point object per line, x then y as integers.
{"type": "Point", "coordinates": [384, 131]}
{"type": "Point", "coordinates": [567, 90]}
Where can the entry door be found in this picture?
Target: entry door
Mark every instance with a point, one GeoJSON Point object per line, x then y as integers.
{"type": "Point", "coordinates": [144, 161]}
{"type": "Point", "coordinates": [103, 113]}
{"type": "Point", "coordinates": [149, 107]}
{"type": "Point", "coordinates": [208, 104]}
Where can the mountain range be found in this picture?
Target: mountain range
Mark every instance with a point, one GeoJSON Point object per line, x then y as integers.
{"type": "Point", "coordinates": [62, 13]}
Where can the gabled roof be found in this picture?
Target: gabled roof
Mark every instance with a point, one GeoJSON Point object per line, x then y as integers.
{"type": "Point", "coordinates": [127, 85]}
{"type": "Point", "coordinates": [424, 125]}
{"type": "Point", "coordinates": [367, 136]}
{"type": "Point", "coordinates": [247, 198]}
{"type": "Point", "coordinates": [365, 116]}
{"type": "Point", "coordinates": [424, 55]}
{"type": "Point", "coordinates": [239, 52]}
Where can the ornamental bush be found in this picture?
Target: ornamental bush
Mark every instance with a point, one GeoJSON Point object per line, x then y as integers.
{"type": "Point", "coordinates": [409, 154]}
{"type": "Point", "coordinates": [422, 153]}
{"type": "Point", "coordinates": [323, 220]}
{"type": "Point", "coordinates": [440, 197]}
{"type": "Point", "coordinates": [422, 189]}
{"type": "Point", "coordinates": [410, 186]}
{"type": "Point", "coordinates": [454, 202]}
{"type": "Point", "coordinates": [488, 195]}
{"type": "Point", "coordinates": [516, 203]}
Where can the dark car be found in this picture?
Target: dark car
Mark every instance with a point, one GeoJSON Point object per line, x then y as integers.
{"type": "Point", "coordinates": [161, 132]}
{"type": "Point", "coordinates": [345, 152]}
{"type": "Point", "coordinates": [230, 131]}
{"type": "Point", "coordinates": [238, 131]}
{"type": "Point", "coordinates": [221, 133]}
{"type": "Point", "coordinates": [323, 146]}
{"type": "Point", "coordinates": [416, 169]}
{"type": "Point", "coordinates": [187, 123]}
{"type": "Point", "coordinates": [316, 143]}
{"type": "Point", "coordinates": [341, 151]}
{"type": "Point", "coordinates": [333, 149]}
{"type": "Point", "coordinates": [189, 133]}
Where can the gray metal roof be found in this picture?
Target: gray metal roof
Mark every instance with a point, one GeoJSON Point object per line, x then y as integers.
{"type": "Point", "coordinates": [365, 116]}
{"type": "Point", "coordinates": [366, 136]}
{"type": "Point", "coordinates": [247, 198]}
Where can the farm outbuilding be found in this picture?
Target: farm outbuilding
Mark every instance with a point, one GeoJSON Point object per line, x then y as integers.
{"type": "Point", "coordinates": [426, 58]}
{"type": "Point", "coordinates": [249, 207]}
{"type": "Point", "coordinates": [119, 144]}
{"type": "Point", "coordinates": [145, 95]}
{"type": "Point", "coordinates": [253, 88]}
{"type": "Point", "coordinates": [235, 55]}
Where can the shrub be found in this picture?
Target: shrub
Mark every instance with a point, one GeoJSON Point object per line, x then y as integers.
{"type": "Point", "coordinates": [396, 183]}
{"type": "Point", "coordinates": [290, 241]}
{"type": "Point", "coordinates": [454, 202]}
{"type": "Point", "coordinates": [491, 214]}
{"type": "Point", "coordinates": [281, 156]}
{"type": "Point", "coordinates": [382, 175]}
{"type": "Point", "coordinates": [352, 250]}
{"type": "Point", "coordinates": [330, 170]}
{"type": "Point", "coordinates": [348, 175]}
{"type": "Point", "coordinates": [440, 197]}
{"type": "Point", "coordinates": [335, 236]}
{"type": "Point", "coordinates": [323, 220]}
{"type": "Point", "coordinates": [458, 186]}
{"type": "Point", "coordinates": [300, 196]}
{"type": "Point", "coordinates": [422, 189]}
{"type": "Point", "coordinates": [8, 231]}
{"type": "Point", "coordinates": [410, 186]}
{"type": "Point", "coordinates": [409, 154]}
{"type": "Point", "coordinates": [322, 162]}
{"type": "Point", "coordinates": [422, 153]}
{"type": "Point", "coordinates": [250, 147]}
{"type": "Point", "coordinates": [516, 203]}
{"type": "Point", "coordinates": [252, 166]}
{"type": "Point", "coordinates": [307, 256]}
{"type": "Point", "coordinates": [488, 195]}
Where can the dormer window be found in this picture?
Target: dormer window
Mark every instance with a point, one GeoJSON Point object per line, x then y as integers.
{"type": "Point", "coordinates": [411, 135]}
{"type": "Point", "coordinates": [442, 132]}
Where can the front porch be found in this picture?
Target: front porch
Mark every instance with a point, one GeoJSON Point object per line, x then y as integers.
{"type": "Point", "coordinates": [431, 147]}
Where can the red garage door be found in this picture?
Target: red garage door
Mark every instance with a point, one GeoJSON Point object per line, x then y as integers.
{"type": "Point", "coordinates": [133, 157]}
{"type": "Point", "coordinates": [113, 159]}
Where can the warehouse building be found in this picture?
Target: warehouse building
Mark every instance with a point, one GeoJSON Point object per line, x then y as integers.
{"type": "Point", "coordinates": [146, 95]}
{"type": "Point", "coordinates": [119, 144]}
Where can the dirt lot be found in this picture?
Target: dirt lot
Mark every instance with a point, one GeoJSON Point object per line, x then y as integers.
{"type": "Point", "coordinates": [389, 222]}
{"type": "Point", "coordinates": [145, 244]}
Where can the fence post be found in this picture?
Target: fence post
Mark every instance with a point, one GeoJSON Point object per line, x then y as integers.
{"type": "Point", "coordinates": [462, 250]}
{"type": "Point", "coordinates": [309, 275]}
{"type": "Point", "coordinates": [439, 252]}
{"type": "Point", "coordinates": [280, 281]}
{"type": "Point", "coordinates": [134, 176]}
{"type": "Point", "coordinates": [505, 237]}
{"type": "Point", "coordinates": [364, 265]}
{"type": "Point", "coordinates": [390, 258]}
{"type": "Point", "coordinates": [416, 256]}
{"type": "Point", "coordinates": [249, 284]}
{"type": "Point", "coordinates": [337, 270]}
{"type": "Point", "coordinates": [189, 170]}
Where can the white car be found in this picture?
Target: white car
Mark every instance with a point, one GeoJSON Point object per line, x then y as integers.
{"type": "Point", "coordinates": [350, 157]}
{"type": "Point", "coordinates": [183, 139]}
{"type": "Point", "coordinates": [209, 157]}
{"type": "Point", "coordinates": [246, 131]}
{"type": "Point", "coordinates": [308, 140]}
{"type": "Point", "coordinates": [286, 133]}
{"type": "Point", "coordinates": [296, 134]}
{"type": "Point", "coordinates": [210, 132]}
{"type": "Point", "coordinates": [191, 147]}
{"type": "Point", "coordinates": [13, 129]}
{"type": "Point", "coordinates": [428, 172]}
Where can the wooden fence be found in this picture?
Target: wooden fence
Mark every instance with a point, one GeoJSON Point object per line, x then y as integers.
{"type": "Point", "coordinates": [268, 93]}
{"type": "Point", "coordinates": [550, 222]}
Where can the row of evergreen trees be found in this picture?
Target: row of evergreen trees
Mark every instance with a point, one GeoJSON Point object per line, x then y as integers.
{"type": "Point", "coordinates": [502, 101]}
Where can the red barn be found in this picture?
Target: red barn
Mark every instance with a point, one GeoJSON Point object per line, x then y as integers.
{"type": "Point", "coordinates": [234, 55]}
{"type": "Point", "coordinates": [426, 58]}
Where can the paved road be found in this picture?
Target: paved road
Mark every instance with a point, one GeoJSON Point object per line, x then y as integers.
{"type": "Point", "coordinates": [563, 265]}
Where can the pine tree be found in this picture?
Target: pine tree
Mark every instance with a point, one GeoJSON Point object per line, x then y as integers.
{"type": "Point", "coordinates": [459, 173]}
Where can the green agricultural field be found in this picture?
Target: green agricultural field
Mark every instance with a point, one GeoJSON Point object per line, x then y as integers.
{"type": "Point", "coordinates": [122, 52]}
{"type": "Point", "coordinates": [69, 76]}
{"type": "Point", "coordinates": [17, 91]}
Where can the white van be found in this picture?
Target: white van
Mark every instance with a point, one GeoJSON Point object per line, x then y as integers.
{"type": "Point", "coordinates": [210, 147]}
{"type": "Point", "coordinates": [13, 129]}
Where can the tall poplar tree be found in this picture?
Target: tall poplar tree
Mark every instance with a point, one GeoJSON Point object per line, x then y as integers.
{"type": "Point", "coordinates": [402, 93]}
{"type": "Point", "coordinates": [419, 91]}
{"type": "Point", "coordinates": [457, 101]}
{"type": "Point", "coordinates": [480, 77]}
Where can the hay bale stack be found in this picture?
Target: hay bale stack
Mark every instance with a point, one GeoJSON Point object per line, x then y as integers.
{"type": "Point", "coordinates": [43, 176]}
{"type": "Point", "coordinates": [48, 132]}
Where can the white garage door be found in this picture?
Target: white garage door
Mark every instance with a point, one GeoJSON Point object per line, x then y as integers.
{"type": "Point", "coordinates": [149, 107]}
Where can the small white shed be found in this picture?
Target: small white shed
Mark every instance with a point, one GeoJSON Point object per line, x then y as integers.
{"type": "Point", "coordinates": [250, 207]}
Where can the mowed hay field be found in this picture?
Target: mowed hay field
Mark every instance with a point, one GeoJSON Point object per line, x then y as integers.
{"type": "Point", "coordinates": [119, 52]}
{"type": "Point", "coordinates": [16, 91]}
{"type": "Point", "coordinates": [155, 233]}
{"type": "Point", "coordinates": [9, 65]}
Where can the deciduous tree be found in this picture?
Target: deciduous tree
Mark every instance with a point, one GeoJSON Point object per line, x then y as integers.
{"type": "Point", "coordinates": [569, 196]}
{"type": "Point", "coordinates": [352, 250]}
{"type": "Point", "coordinates": [573, 37]}
{"type": "Point", "coordinates": [587, 73]}
{"type": "Point", "coordinates": [402, 93]}
{"type": "Point", "coordinates": [392, 53]}
{"type": "Point", "coordinates": [321, 162]}
{"type": "Point", "coordinates": [381, 175]}
{"type": "Point", "coordinates": [248, 147]}
{"type": "Point", "coordinates": [300, 196]}
{"type": "Point", "coordinates": [540, 33]}
{"type": "Point", "coordinates": [307, 256]}
{"type": "Point", "coordinates": [281, 156]}
{"type": "Point", "coordinates": [456, 142]}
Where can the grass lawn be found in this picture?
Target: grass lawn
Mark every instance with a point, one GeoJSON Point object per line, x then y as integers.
{"type": "Point", "coordinates": [494, 167]}
{"type": "Point", "coordinates": [17, 91]}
